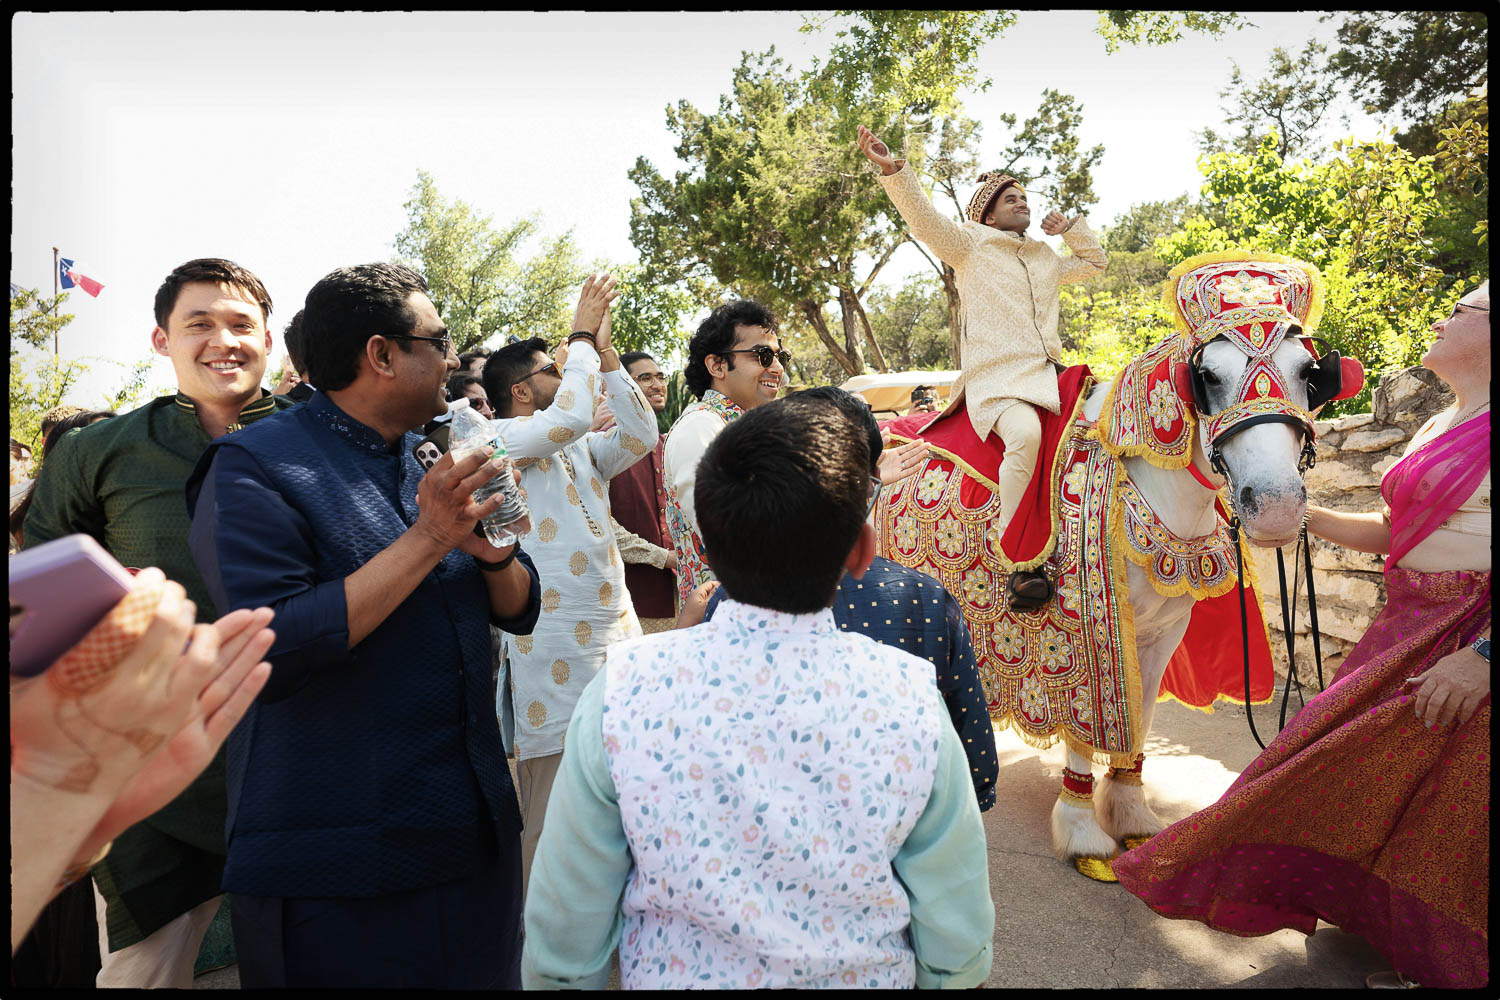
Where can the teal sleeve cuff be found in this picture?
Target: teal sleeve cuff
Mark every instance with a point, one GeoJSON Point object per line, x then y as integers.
{"type": "Point", "coordinates": [581, 865]}
{"type": "Point", "coordinates": [944, 867]}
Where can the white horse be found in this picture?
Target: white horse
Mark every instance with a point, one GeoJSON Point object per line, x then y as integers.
{"type": "Point", "coordinates": [1267, 492]}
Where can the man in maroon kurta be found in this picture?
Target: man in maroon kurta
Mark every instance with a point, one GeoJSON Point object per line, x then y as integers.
{"type": "Point", "coordinates": [638, 503]}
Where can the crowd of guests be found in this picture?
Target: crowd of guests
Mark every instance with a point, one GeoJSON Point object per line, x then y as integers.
{"type": "Point", "coordinates": [750, 752]}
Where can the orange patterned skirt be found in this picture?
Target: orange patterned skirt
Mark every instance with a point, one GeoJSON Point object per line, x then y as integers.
{"type": "Point", "coordinates": [1356, 813]}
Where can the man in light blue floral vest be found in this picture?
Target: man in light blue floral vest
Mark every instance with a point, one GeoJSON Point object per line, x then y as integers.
{"type": "Point", "coordinates": [765, 800]}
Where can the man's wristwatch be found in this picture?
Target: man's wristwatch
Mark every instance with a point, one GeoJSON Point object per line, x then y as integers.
{"type": "Point", "coordinates": [1482, 647]}
{"type": "Point", "coordinates": [495, 567]}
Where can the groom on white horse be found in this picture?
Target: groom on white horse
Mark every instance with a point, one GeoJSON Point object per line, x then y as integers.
{"type": "Point", "coordinates": [1011, 351]}
{"type": "Point", "coordinates": [1129, 508]}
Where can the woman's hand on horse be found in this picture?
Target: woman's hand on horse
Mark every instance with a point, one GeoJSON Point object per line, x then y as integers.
{"type": "Point", "coordinates": [1451, 688]}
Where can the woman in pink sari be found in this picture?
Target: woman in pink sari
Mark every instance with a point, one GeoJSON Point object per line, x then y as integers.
{"type": "Point", "coordinates": [1371, 809]}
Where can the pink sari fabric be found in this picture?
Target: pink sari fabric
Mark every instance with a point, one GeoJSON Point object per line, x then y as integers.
{"type": "Point", "coordinates": [1429, 484]}
{"type": "Point", "coordinates": [1356, 813]}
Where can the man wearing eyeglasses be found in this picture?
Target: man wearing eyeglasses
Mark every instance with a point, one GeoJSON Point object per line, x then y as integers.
{"type": "Point", "coordinates": [638, 503]}
{"type": "Point", "coordinates": [735, 363]}
{"type": "Point", "coordinates": [373, 832]}
{"type": "Point", "coordinates": [545, 408]}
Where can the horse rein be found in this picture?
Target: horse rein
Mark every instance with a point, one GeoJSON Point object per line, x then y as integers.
{"type": "Point", "coordinates": [1248, 412]}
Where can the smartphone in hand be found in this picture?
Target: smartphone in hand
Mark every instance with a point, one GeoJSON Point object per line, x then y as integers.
{"type": "Point", "coordinates": [58, 592]}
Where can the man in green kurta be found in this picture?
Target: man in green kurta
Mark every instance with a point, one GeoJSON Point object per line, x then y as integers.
{"type": "Point", "coordinates": [121, 481]}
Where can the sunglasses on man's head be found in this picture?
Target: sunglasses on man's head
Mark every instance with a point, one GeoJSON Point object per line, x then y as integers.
{"type": "Point", "coordinates": [765, 355]}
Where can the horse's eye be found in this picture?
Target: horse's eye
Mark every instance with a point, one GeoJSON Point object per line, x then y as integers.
{"type": "Point", "coordinates": [1210, 378]}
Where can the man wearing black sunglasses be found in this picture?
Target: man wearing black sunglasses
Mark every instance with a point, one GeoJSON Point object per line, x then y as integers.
{"type": "Point", "coordinates": [735, 363]}
{"type": "Point", "coordinates": [546, 407]}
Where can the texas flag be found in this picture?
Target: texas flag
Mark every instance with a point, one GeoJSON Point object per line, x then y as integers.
{"type": "Point", "coordinates": [69, 277]}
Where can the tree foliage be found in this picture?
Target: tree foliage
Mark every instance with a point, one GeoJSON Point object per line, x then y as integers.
{"type": "Point", "coordinates": [772, 206]}
{"type": "Point", "coordinates": [39, 379]}
{"type": "Point", "coordinates": [478, 277]}
{"type": "Point", "coordinates": [1413, 62]}
{"type": "Point", "coordinates": [1289, 102]}
{"type": "Point", "coordinates": [904, 63]}
{"type": "Point", "coordinates": [1155, 27]}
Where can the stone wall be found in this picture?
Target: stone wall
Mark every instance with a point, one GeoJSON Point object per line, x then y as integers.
{"type": "Point", "coordinates": [1353, 453]}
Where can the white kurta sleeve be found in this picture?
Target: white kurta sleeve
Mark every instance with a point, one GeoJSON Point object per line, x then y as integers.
{"type": "Point", "coordinates": [685, 446]}
{"type": "Point", "coordinates": [1087, 259]}
{"type": "Point", "coordinates": [634, 435]}
{"type": "Point", "coordinates": [566, 420]}
{"type": "Point", "coordinates": [941, 234]}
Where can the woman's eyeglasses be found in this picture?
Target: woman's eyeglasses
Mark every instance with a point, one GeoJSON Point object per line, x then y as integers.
{"type": "Point", "coordinates": [764, 355]}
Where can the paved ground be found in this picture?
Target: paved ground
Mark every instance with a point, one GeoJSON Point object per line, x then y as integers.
{"type": "Point", "coordinates": [1055, 928]}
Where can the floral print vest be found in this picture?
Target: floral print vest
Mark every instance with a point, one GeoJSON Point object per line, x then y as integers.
{"type": "Point", "coordinates": [768, 768]}
{"type": "Point", "coordinates": [692, 568]}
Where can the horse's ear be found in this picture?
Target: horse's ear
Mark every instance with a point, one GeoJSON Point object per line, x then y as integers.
{"type": "Point", "coordinates": [1182, 381]}
{"type": "Point", "coordinates": [1354, 378]}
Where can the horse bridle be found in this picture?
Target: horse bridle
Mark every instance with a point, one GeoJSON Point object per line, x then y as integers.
{"type": "Point", "coordinates": [1324, 383]}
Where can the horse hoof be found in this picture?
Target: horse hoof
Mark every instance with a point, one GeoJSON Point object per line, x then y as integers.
{"type": "Point", "coordinates": [1097, 869]}
{"type": "Point", "coordinates": [1131, 843]}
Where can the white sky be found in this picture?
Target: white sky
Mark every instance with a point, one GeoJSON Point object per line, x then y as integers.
{"type": "Point", "coordinates": [288, 141]}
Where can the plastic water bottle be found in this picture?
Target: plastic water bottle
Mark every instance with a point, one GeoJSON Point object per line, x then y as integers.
{"type": "Point", "coordinates": [469, 433]}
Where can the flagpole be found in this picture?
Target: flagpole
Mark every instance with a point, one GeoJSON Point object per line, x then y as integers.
{"type": "Point", "coordinates": [55, 292]}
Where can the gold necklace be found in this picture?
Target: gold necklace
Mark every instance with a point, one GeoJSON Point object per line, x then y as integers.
{"type": "Point", "coordinates": [1473, 410]}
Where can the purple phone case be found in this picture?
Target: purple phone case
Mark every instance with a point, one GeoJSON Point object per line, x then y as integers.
{"type": "Point", "coordinates": [63, 589]}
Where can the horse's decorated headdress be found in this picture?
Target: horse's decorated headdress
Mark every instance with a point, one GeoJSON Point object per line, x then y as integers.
{"type": "Point", "coordinates": [1253, 299]}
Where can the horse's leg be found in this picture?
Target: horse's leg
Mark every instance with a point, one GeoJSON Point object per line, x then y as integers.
{"type": "Point", "coordinates": [1075, 831]}
{"type": "Point", "coordinates": [1122, 798]}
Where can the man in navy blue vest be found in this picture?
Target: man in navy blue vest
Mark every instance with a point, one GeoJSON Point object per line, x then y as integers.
{"type": "Point", "coordinates": [373, 832]}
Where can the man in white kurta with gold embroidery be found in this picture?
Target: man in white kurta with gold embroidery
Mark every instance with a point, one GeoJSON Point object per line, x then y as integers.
{"type": "Point", "coordinates": [545, 410]}
{"type": "Point", "coordinates": [1008, 283]}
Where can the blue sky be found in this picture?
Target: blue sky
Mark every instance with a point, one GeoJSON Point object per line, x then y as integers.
{"type": "Point", "coordinates": [288, 141]}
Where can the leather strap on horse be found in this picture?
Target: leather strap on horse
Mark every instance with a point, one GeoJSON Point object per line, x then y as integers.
{"type": "Point", "coordinates": [1286, 623]}
{"type": "Point", "coordinates": [1239, 553]}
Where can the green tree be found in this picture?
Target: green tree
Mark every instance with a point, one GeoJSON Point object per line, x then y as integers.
{"type": "Point", "coordinates": [1139, 226]}
{"type": "Point", "coordinates": [772, 206]}
{"type": "Point", "coordinates": [39, 379]}
{"type": "Point", "coordinates": [482, 285]}
{"type": "Point", "coordinates": [1155, 27]}
{"type": "Point", "coordinates": [649, 316]}
{"type": "Point", "coordinates": [1289, 103]}
{"type": "Point", "coordinates": [1416, 63]}
{"type": "Point", "coordinates": [895, 64]}
{"type": "Point", "coordinates": [912, 323]}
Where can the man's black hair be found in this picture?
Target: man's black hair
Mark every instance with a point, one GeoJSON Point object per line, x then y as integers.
{"type": "Point", "coordinates": [781, 496]}
{"type": "Point", "coordinates": [291, 338]}
{"type": "Point", "coordinates": [507, 366]}
{"type": "Point", "coordinates": [348, 307]}
{"type": "Point", "coordinates": [459, 381]}
{"type": "Point", "coordinates": [467, 357]}
{"type": "Point", "coordinates": [852, 407]}
{"type": "Point", "coordinates": [631, 357]}
{"type": "Point", "coordinates": [716, 335]}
